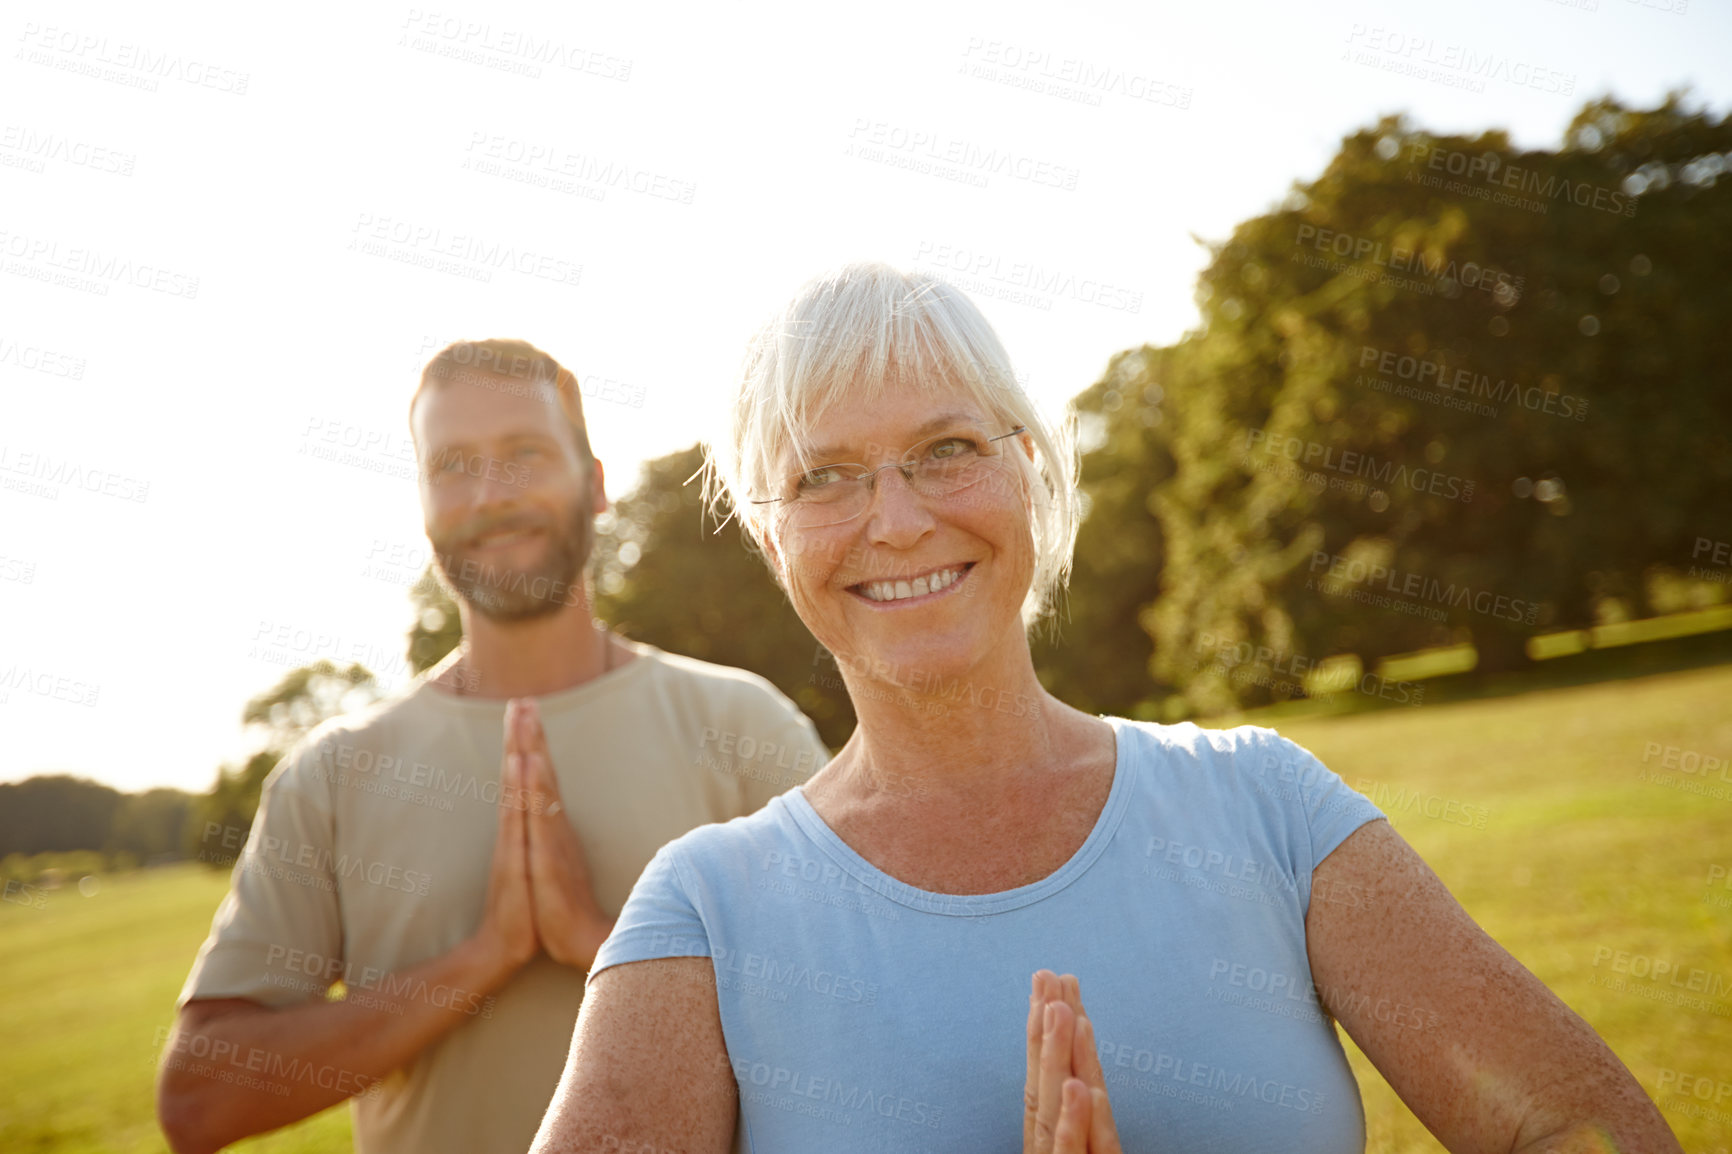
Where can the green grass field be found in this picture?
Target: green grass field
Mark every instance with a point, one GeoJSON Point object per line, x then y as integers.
{"type": "Point", "coordinates": [1577, 855]}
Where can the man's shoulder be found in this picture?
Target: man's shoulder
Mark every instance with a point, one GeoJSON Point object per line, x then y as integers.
{"type": "Point", "coordinates": [718, 686]}
{"type": "Point", "coordinates": [374, 728]}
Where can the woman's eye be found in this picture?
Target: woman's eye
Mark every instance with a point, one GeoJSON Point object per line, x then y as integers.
{"type": "Point", "coordinates": [952, 447]}
{"type": "Point", "coordinates": [528, 450]}
{"type": "Point", "coordinates": [818, 478]}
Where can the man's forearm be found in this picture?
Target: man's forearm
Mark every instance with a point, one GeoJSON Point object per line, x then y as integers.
{"type": "Point", "coordinates": [230, 1071]}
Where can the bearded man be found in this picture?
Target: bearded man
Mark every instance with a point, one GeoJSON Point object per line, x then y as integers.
{"type": "Point", "coordinates": [427, 881]}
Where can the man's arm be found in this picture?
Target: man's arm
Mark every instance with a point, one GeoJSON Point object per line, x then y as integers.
{"type": "Point", "coordinates": [229, 1059]}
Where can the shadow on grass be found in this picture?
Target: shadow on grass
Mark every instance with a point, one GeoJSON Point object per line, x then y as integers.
{"type": "Point", "coordinates": [1592, 666]}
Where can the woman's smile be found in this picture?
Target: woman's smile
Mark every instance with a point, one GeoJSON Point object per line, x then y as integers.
{"type": "Point", "coordinates": [927, 587]}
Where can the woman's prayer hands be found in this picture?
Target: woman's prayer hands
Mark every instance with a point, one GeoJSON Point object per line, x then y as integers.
{"type": "Point", "coordinates": [1065, 1108]}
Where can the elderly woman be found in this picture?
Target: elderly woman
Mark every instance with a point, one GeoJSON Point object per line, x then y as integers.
{"type": "Point", "coordinates": [868, 963]}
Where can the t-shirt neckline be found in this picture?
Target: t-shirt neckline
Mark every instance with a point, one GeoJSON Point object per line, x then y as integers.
{"type": "Point", "coordinates": [648, 656]}
{"type": "Point", "coordinates": [975, 905]}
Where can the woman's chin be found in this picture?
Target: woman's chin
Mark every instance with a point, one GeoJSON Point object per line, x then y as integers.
{"type": "Point", "coordinates": [919, 663]}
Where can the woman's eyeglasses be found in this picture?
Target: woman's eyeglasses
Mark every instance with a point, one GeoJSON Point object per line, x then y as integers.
{"type": "Point", "coordinates": [936, 468]}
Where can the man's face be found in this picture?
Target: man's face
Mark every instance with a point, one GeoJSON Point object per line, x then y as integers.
{"type": "Point", "coordinates": [510, 503]}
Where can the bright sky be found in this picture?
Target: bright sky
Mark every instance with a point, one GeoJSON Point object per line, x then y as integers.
{"type": "Point", "coordinates": [227, 250]}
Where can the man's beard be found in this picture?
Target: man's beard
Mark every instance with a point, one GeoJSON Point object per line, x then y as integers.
{"type": "Point", "coordinates": [501, 593]}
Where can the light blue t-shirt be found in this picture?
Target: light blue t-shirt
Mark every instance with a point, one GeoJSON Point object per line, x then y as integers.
{"type": "Point", "coordinates": [863, 1014]}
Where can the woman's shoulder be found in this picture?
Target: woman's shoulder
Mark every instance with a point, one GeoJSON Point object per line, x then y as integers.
{"type": "Point", "coordinates": [753, 838]}
{"type": "Point", "coordinates": [1187, 746]}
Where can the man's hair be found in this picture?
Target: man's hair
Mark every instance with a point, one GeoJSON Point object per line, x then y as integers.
{"type": "Point", "coordinates": [506, 365]}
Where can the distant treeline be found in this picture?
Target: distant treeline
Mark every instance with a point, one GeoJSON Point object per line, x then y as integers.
{"type": "Point", "coordinates": [59, 814]}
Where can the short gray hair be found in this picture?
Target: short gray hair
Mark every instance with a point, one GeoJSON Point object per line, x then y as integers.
{"type": "Point", "coordinates": [841, 339]}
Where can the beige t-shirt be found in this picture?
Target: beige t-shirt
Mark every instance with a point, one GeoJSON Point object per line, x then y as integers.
{"type": "Point", "coordinates": [371, 849]}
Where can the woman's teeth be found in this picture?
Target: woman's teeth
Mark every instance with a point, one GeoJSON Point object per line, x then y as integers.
{"type": "Point", "coordinates": [919, 587]}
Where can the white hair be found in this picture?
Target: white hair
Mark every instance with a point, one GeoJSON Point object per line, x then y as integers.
{"type": "Point", "coordinates": [842, 339]}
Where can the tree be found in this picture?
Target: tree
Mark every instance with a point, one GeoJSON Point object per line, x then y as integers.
{"type": "Point", "coordinates": [279, 718]}
{"type": "Point", "coordinates": [55, 813]}
{"type": "Point", "coordinates": [1355, 327]}
{"type": "Point", "coordinates": [438, 626]}
{"type": "Point", "coordinates": [151, 826]}
{"type": "Point", "coordinates": [665, 576]}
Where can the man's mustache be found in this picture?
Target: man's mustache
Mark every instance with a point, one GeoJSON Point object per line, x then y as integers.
{"type": "Point", "coordinates": [469, 532]}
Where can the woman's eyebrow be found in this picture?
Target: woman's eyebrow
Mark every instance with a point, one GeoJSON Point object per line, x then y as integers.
{"type": "Point", "coordinates": [831, 453]}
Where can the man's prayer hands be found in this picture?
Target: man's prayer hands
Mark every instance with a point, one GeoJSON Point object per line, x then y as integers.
{"type": "Point", "coordinates": [539, 893]}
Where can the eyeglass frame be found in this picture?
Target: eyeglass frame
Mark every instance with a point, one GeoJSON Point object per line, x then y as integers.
{"type": "Point", "coordinates": [870, 476]}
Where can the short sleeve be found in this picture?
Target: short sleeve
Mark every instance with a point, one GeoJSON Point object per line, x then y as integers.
{"type": "Point", "coordinates": [282, 902]}
{"type": "Point", "coordinates": [1326, 806]}
{"type": "Point", "coordinates": [659, 919]}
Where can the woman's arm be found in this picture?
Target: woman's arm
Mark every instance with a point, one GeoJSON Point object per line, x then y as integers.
{"type": "Point", "coordinates": [648, 1067]}
{"type": "Point", "coordinates": [1479, 1049]}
